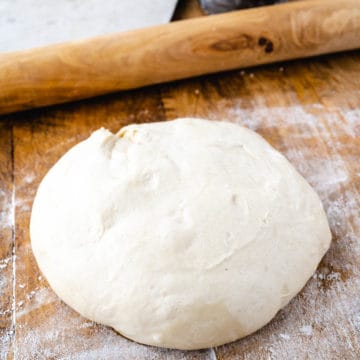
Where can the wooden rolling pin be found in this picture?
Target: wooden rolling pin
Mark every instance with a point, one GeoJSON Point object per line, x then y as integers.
{"type": "Point", "coordinates": [81, 69]}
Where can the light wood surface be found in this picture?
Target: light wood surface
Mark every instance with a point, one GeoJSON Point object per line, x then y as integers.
{"type": "Point", "coordinates": [182, 49]}
{"type": "Point", "coordinates": [307, 109]}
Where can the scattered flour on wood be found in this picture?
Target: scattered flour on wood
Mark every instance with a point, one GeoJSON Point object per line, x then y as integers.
{"type": "Point", "coordinates": [4, 262]}
{"type": "Point", "coordinates": [3, 284]}
{"type": "Point", "coordinates": [328, 302]}
{"type": "Point", "coordinates": [306, 330]}
{"type": "Point", "coordinates": [285, 336]}
{"type": "Point", "coordinates": [29, 178]}
{"type": "Point", "coordinates": [65, 335]}
{"type": "Point", "coordinates": [34, 300]}
{"type": "Point", "coordinates": [23, 205]}
{"type": "Point", "coordinates": [7, 211]}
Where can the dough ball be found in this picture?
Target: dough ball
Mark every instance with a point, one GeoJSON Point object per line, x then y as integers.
{"type": "Point", "coordinates": [183, 234]}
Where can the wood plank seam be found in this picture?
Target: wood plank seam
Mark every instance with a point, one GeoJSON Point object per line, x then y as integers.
{"type": "Point", "coordinates": [13, 248]}
{"type": "Point", "coordinates": [309, 110]}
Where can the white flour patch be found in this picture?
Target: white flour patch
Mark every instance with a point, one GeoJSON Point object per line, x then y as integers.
{"type": "Point", "coordinates": [326, 175]}
{"type": "Point", "coordinates": [357, 322]}
{"type": "Point", "coordinates": [6, 215]}
{"type": "Point", "coordinates": [5, 341]}
{"type": "Point", "coordinates": [327, 275]}
{"type": "Point", "coordinates": [306, 330]}
{"type": "Point", "coordinates": [285, 336]}
{"type": "Point", "coordinates": [3, 283]}
{"type": "Point", "coordinates": [5, 312]}
{"type": "Point", "coordinates": [305, 118]}
{"type": "Point", "coordinates": [23, 205]}
{"type": "Point", "coordinates": [20, 304]}
{"type": "Point", "coordinates": [87, 325]}
{"type": "Point", "coordinates": [4, 262]}
{"type": "Point", "coordinates": [29, 178]}
{"type": "Point", "coordinates": [352, 117]}
{"type": "Point", "coordinates": [63, 334]}
{"type": "Point", "coordinates": [35, 300]}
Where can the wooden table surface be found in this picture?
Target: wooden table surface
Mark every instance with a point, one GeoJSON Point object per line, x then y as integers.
{"type": "Point", "coordinates": [308, 109]}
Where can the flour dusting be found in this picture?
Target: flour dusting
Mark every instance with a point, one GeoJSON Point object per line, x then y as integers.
{"type": "Point", "coordinates": [312, 138]}
{"type": "Point", "coordinates": [65, 335]}
{"type": "Point", "coordinates": [285, 336]}
{"type": "Point", "coordinates": [6, 212]}
{"type": "Point", "coordinates": [4, 262]}
{"type": "Point", "coordinates": [328, 309]}
{"type": "Point", "coordinates": [306, 330]}
{"type": "Point", "coordinates": [34, 300]}
{"type": "Point", "coordinates": [29, 178]}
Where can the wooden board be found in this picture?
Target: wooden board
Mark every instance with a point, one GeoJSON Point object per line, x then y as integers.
{"type": "Point", "coordinates": [309, 110]}
{"type": "Point", "coordinates": [183, 49]}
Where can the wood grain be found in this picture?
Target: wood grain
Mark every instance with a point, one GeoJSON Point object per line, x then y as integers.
{"type": "Point", "coordinates": [309, 110]}
{"type": "Point", "coordinates": [6, 239]}
{"type": "Point", "coordinates": [182, 49]}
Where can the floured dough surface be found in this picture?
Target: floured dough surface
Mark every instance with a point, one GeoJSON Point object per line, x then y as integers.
{"type": "Point", "coordinates": [184, 234]}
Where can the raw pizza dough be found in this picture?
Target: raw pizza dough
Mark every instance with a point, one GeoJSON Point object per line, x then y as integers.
{"type": "Point", "coordinates": [183, 234]}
